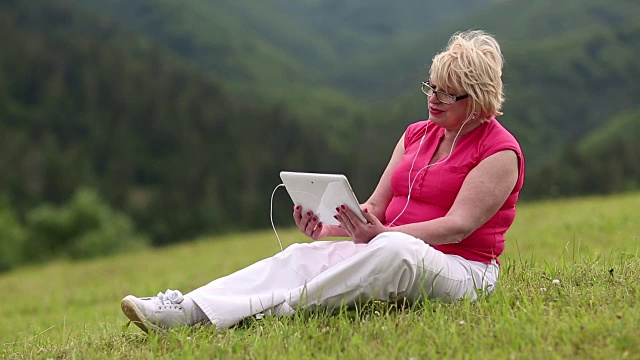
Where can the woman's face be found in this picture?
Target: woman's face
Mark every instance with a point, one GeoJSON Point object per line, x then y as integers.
{"type": "Point", "coordinates": [449, 116]}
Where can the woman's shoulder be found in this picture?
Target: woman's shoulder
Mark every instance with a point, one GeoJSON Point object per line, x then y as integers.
{"type": "Point", "coordinates": [495, 133]}
{"type": "Point", "coordinates": [417, 129]}
{"type": "Point", "coordinates": [417, 126]}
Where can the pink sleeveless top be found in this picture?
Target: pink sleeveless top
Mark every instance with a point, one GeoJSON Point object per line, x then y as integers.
{"type": "Point", "coordinates": [436, 188]}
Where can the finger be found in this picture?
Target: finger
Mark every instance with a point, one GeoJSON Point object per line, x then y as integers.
{"type": "Point", "coordinates": [353, 218]}
{"type": "Point", "coordinates": [344, 219]}
{"type": "Point", "coordinates": [372, 219]}
{"type": "Point", "coordinates": [297, 214]}
{"type": "Point", "coordinates": [316, 232]}
{"type": "Point", "coordinates": [311, 224]}
{"type": "Point", "coordinates": [304, 221]}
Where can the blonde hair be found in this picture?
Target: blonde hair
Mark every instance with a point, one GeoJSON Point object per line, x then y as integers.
{"type": "Point", "coordinates": [472, 63]}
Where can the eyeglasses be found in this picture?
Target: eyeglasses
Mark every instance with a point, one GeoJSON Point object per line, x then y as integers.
{"type": "Point", "coordinates": [442, 96]}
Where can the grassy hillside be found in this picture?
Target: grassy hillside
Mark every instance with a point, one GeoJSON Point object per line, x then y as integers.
{"type": "Point", "coordinates": [65, 310]}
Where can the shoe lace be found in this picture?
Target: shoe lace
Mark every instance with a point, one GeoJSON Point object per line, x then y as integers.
{"type": "Point", "coordinates": [170, 299]}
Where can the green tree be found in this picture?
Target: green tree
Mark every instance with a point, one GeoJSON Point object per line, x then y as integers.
{"type": "Point", "coordinates": [12, 237]}
{"type": "Point", "coordinates": [84, 227]}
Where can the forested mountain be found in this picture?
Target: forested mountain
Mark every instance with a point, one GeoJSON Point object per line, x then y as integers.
{"type": "Point", "coordinates": [605, 161]}
{"type": "Point", "coordinates": [278, 41]}
{"type": "Point", "coordinates": [360, 29]}
{"type": "Point", "coordinates": [182, 113]}
{"type": "Point", "coordinates": [84, 103]}
{"type": "Point", "coordinates": [216, 36]}
{"type": "Point", "coordinates": [516, 23]}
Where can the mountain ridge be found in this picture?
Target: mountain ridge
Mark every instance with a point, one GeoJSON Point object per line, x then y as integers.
{"type": "Point", "coordinates": [87, 100]}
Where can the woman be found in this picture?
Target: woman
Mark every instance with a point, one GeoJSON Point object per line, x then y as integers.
{"type": "Point", "coordinates": [436, 220]}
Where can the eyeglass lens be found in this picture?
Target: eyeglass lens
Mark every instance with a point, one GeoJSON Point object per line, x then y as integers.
{"type": "Point", "coordinates": [441, 96]}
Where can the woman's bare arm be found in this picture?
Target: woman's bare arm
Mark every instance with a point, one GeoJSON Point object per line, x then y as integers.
{"type": "Point", "coordinates": [482, 194]}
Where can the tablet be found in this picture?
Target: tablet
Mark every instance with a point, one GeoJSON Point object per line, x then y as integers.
{"type": "Point", "coordinates": [321, 194]}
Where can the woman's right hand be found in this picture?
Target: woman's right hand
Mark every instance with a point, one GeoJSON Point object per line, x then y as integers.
{"type": "Point", "coordinates": [309, 225]}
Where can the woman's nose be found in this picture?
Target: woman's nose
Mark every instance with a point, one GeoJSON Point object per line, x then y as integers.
{"type": "Point", "coordinates": [433, 99]}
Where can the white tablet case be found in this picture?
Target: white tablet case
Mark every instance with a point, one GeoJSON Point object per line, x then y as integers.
{"type": "Point", "coordinates": [321, 194]}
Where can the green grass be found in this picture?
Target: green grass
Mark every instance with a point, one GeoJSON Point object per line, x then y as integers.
{"type": "Point", "coordinates": [71, 310]}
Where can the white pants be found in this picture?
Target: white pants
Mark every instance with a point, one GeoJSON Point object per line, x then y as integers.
{"type": "Point", "coordinates": [393, 266]}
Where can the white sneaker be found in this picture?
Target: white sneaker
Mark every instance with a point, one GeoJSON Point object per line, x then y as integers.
{"type": "Point", "coordinates": [157, 313]}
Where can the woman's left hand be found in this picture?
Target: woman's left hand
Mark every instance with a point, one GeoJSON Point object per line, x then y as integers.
{"type": "Point", "coordinates": [357, 230]}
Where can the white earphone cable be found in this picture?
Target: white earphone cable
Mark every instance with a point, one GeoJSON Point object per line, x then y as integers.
{"type": "Point", "coordinates": [411, 183]}
{"type": "Point", "coordinates": [278, 237]}
{"type": "Point", "coordinates": [271, 216]}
